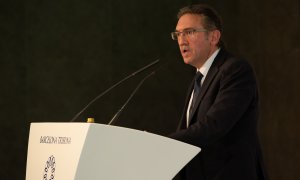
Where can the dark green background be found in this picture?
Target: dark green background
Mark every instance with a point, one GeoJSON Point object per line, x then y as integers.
{"type": "Point", "coordinates": [57, 55]}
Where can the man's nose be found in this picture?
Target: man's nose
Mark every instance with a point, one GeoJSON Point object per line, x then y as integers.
{"type": "Point", "coordinates": [182, 40]}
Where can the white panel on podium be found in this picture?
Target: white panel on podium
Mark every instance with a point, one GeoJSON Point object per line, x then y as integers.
{"type": "Point", "coordinates": [82, 151]}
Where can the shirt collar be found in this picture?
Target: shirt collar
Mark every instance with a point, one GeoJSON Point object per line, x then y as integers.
{"type": "Point", "coordinates": [204, 69]}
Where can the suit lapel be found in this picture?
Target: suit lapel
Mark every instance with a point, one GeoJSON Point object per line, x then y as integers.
{"type": "Point", "coordinates": [210, 76]}
{"type": "Point", "coordinates": [182, 123]}
{"type": "Point", "coordinates": [214, 69]}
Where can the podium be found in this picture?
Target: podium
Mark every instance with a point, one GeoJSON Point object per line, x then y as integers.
{"type": "Point", "coordinates": [90, 151]}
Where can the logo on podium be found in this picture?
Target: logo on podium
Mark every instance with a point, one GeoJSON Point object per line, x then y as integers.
{"type": "Point", "coordinates": [49, 171]}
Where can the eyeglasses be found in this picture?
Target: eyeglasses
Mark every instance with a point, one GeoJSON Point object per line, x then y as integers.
{"type": "Point", "coordinates": [186, 33]}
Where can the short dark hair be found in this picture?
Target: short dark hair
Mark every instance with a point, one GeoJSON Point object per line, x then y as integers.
{"type": "Point", "coordinates": [211, 18]}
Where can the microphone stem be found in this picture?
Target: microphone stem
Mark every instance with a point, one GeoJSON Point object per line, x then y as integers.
{"type": "Point", "coordinates": [130, 97]}
{"type": "Point", "coordinates": [112, 87]}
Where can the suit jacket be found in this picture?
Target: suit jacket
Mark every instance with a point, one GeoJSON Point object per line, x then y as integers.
{"type": "Point", "coordinates": [224, 124]}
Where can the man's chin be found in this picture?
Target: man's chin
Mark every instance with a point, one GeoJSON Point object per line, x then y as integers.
{"type": "Point", "coordinates": [187, 61]}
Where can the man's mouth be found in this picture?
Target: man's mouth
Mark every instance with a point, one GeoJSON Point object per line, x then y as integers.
{"type": "Point", "coordinates": [185, 50]}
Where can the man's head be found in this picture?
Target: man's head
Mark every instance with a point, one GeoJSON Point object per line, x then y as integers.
{"type": "Point", "coordinates": [198, 32]}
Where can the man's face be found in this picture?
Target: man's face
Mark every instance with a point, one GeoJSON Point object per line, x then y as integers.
{"type": "Point", "coordinates": [197, 47]}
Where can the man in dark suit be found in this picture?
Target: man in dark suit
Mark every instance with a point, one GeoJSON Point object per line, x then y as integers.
{"type": "Point", "coordinates": [221, 111]}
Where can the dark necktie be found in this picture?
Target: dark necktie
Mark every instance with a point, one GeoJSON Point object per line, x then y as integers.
{"type": "Point", "coordinates": [197, 86]}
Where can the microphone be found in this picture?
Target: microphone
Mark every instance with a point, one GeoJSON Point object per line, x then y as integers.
{"type": "Point", "coordinates": [113, 86]}
{"type": "Point", "coordinates": [130, 97]}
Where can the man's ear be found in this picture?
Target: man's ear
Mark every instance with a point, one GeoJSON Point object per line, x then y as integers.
{"type": "Point", "coordinates": [215, 37]}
